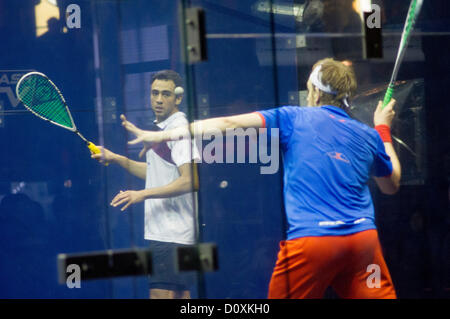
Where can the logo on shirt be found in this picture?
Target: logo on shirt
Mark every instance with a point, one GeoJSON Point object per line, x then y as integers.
{"type": "Point", "coordinates": [333, 117]}
{"type": "Point", "coordinates": [338, 156]}
{"type": "Point", "coordinates": [339, 222]}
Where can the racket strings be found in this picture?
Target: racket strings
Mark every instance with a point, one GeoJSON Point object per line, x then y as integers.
{"type": "Point", "coordinates": [38, 94]}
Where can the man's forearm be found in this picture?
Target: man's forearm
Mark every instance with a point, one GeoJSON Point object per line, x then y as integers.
{"type": "Point", "coordinates": [196, 129]}
{"type": "Point", "coordinates": [213, 125]}
{"type": "Point", "coordinates": [396, 167]}
{"type": "Point", "coordinates": [138, 169]}
{"type": "Point", "coordinates": [178, 187]}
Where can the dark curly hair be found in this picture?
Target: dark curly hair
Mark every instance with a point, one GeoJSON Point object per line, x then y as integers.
{"type": "Point", "coordinates": [167, 75]}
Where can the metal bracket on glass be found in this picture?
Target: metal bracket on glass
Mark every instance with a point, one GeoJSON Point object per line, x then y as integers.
{"type": "Point", "coordinates": [203, 105]}
{"type": "Point", "coordinates": [201, 257]}
{"type": "Point", "coordinates": [108, 106]}
{"type": "Point", "coordinates": [294, 97]}
{"type": "Point", "coordinates": [195, 33]}
{"type": "Point", "coordinates": [303, 98]}
{"type": "Point", "coordinates": [105, 264]}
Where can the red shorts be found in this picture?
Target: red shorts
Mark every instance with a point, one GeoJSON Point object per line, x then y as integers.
{"type": "Point", "coordinates": [353, 265]}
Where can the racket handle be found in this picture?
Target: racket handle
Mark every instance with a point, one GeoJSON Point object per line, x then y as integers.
{"type": "Point", "coordinates": [94, 150]}
{"type": "Point", "coordinates": [388, 96]}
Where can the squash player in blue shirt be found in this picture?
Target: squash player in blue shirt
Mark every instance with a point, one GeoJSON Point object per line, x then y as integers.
{"type": "Point", "coordinates": [328, 159]}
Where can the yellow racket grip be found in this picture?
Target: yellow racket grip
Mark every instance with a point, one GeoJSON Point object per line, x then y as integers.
{"type": "Point", "coordinates": [94, 150]}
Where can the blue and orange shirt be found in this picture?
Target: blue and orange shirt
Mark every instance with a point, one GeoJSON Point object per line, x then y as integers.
{"type": "Point", "coordinates": [328, 159]}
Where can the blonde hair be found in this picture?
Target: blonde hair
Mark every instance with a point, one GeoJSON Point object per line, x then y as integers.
{"type": "Point", "coordinates": [340, 77]}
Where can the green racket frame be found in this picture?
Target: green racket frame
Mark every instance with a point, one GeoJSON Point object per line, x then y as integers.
{"type": "Point", "coordinates": [92, 147]}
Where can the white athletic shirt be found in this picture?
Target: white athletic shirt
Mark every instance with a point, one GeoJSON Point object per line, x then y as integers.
{"type": "Point", "coordinates": [170, 219]}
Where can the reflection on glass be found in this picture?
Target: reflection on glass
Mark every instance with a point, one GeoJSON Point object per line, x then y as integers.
{"type": "Point", "coordinates": [47, 16]}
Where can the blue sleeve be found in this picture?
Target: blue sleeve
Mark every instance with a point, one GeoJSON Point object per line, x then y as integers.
{"type": "Point", "coordinates": [382, 163]}
{"type": "Point", "coordinates": [281, 118]}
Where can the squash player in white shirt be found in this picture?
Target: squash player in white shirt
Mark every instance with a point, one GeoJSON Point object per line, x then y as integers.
{"type": "Point", "coordinates": [169, 172]}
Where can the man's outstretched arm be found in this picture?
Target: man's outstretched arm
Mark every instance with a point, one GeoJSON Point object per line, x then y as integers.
{"type": "Point", "coordinates": [196, 129]}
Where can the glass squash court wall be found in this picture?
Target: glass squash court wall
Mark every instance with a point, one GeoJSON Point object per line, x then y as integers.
{"type": "Point", "coordinates": [55, 199]}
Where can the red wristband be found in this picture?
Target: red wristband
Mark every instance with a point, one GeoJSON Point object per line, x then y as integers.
{"type": "Point", "coordinates": [385, 133]}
